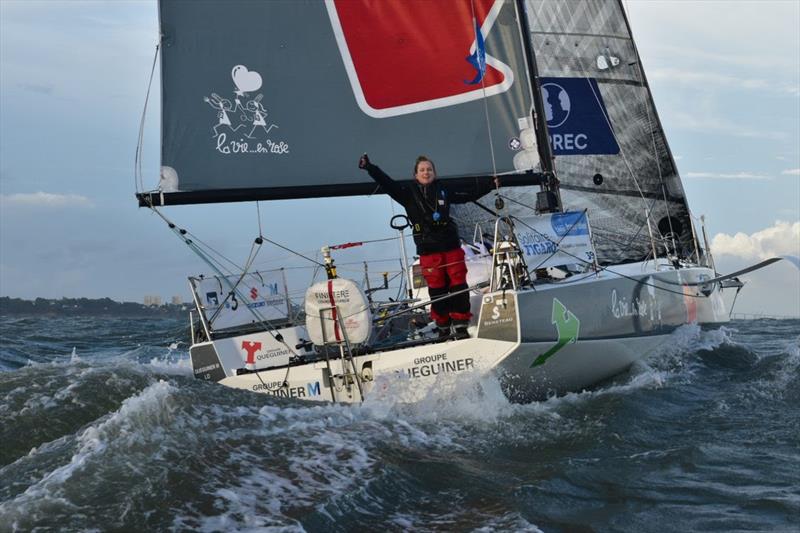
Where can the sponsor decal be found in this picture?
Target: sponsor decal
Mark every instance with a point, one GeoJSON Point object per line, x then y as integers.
{"type": "Point", "coordinates": [206, 370]}
{"type": "Point", "coordinates": [497, 315]}
{"type": "Point", "coordinates": [432, 365]}
{"type": "Point", "coordinates": [212, 298]}
{"type": "Point", "coordinates": [644, 306]}
{"type": "Point", "coordinates": [568, 327]}
{"type": "Point", "coordinates": [514, 144]}
{"type": "Point", "coordinates": [251, 347]}
{"type": "Point", "coordinates": [275, 352]}
{"type": "Point", "coordinates": [556, 239]}
{"type": "Point", "coordinates": [272, 288]}
{"type": "Point", "coordinates": [277, 388]}
{"type": "Point", "coordinates": [570, 223]}
{"type": "Point", "coordinates": [577, 118]}
{"type": "Point", "coordinates": [206, 365]}
{"type": "Point", "coordinates": [498, 318]}
{"type": "Point", "coordinates": [340, 296]}
{"type": "Point", "coordinates": [242, 126]}
{"type": "Point", "coordinates": [313, 389]}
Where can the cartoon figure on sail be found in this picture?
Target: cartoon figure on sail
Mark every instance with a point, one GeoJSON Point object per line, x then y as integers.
{"type": "Point", "coordinates": [259, 113]}
{"type": "Point", "coordinates": [222, 105]}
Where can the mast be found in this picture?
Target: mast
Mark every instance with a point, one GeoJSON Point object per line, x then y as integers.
{"type": "Point", "coordinates": [549, 199]}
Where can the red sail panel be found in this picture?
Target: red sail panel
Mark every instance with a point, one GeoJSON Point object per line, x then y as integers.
{"type": "Point", "coordinates": [416, 51]}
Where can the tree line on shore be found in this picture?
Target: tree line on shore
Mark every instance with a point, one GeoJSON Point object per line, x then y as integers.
{"type": "Point", "coordinates": [87, 306]}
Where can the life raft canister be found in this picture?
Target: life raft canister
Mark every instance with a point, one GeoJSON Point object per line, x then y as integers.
{"type": "Point", "coordinates": [335, 305]}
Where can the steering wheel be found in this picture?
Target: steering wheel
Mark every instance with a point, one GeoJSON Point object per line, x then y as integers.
{"type": "Point", "coordinates": [400, 222]}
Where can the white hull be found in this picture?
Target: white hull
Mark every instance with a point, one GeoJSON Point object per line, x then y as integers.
{"type": "Point", "coordinates": [559, 337]}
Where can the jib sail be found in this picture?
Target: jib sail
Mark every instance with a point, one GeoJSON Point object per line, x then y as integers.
{"type": "Point", "coordinates": [611, 154]}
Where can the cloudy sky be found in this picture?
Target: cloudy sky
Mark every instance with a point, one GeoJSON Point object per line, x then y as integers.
{"type": "Point", "coordinates": [73, 75]}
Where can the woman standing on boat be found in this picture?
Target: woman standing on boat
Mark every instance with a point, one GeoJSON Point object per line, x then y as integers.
{"type": "Point", "coordinates": [427, 204]}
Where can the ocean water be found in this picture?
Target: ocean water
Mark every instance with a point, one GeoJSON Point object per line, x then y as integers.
{"type": "Point", "coordinates": [103, 427]}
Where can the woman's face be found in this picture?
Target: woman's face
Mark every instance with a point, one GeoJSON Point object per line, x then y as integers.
{"type": "Point", "coordinates": [425, 173]}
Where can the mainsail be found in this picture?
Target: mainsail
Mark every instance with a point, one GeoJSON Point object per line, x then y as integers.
{"type": "Point", "coordinates": [277, 99]}
{"type": "Point", "coordinates": [612, 157]}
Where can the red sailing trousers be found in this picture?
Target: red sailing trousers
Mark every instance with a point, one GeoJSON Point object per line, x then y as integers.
{"type": "Point", "coordinates": [446, 272]}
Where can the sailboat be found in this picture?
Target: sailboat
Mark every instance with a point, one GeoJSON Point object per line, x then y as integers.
{"type": "Point", "coordinates": [585, 260]}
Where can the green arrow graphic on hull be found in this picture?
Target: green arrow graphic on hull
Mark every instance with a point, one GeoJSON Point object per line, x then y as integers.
{"type": "Point", "coordinates": [567, 325]}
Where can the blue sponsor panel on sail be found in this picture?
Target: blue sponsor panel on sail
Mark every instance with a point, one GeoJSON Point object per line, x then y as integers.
{"type": "Point", "coordinates": [577, 118]}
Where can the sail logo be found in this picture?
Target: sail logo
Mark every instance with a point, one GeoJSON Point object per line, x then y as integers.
{"type": "Point", "coordinates": [577, 119]}
{"type": "Point", "coordinates": [242, 125]}
{"type": "Point", "coordinates": [556, 104]}
{"type": "Point", "coordinates": [395, 69]}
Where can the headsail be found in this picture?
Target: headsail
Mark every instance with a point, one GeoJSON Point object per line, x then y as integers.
{"type": "Point", "coordinates": [612, 156]}
{"type": "Point", "coordinates": [276, 99]}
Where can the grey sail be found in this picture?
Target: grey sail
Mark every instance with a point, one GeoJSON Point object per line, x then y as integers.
{"type": "Point", "coordinates": [277, 99]}
{"type": "Point", "coordinates": [611, 154]}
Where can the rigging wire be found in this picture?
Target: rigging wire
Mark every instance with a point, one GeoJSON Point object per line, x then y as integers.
{"type": "Point", "coordinates": [293, 252]}
{"type": "Point", "coordinates": [258, 214]}
{"type": "Point", "coordinates": [181, 234]}
{"type": "Point", "coordinates": [137, 165]}
{"type": "Point", "coordinates": [483, 90]}
{"type": "Point", "coordinates": [646, 103]}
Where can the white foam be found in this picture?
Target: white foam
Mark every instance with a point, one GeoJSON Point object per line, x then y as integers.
{"type": "Point", "coordinates": [465, 396]}
{"type": "Point", "coordinates": [173, 367]}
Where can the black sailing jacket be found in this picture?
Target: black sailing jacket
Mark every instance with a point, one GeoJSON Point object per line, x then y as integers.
{"type": "Point", "coordinates": [432, 233]}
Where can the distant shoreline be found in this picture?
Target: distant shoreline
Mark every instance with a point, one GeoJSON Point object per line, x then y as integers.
{"type": "Point", "coordinates": [88, 307]}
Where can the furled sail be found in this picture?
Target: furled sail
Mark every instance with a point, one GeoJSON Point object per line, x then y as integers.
{"type": "Point", "coordinates": [277, 98]}
{"type": "Point", "coordinates": [611, 153]}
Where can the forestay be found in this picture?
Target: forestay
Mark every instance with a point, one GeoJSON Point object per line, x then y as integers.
{"type": "Point", "coordinates": [276, 99]}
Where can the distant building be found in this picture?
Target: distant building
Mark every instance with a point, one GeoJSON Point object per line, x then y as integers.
{"type": "Point", "coordinates": [153, 300]}
{"type": "Point", "coordinates": [176, 300]}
